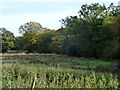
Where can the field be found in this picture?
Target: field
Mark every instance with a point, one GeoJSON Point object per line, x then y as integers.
{"type": "Point", "coordinates": [58, 71]}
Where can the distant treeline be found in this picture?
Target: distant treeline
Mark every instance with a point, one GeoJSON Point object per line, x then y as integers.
{"type": "Point", "coordinates": [94, 32]}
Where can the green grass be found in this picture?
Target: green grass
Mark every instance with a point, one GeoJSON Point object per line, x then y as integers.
{"type": "Point", "coordinates": [21, 76]}
{"type": "Point", "coordinates": [57, 71]}
{"type": "Point", "coordinates": [53, 60]}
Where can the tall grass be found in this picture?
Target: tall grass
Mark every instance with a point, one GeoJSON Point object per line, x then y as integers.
{"type": "Point", "coordinates": [21, 76]}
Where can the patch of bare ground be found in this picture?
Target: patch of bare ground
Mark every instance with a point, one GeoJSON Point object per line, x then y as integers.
{"type": "Point", "coordinates": [6, 65]}
{"type": "Point", "coordinates": [11, 54]}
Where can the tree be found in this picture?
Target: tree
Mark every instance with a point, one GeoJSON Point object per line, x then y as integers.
{"type": "Point", "coordinates": [19, 45]}
{"type": "Point", "coordinates": [96, 11]}
{"type": "Point", "coordinates": [35, 38]}
{"type": "Point", "coordinates": [56, 44]}
{"type": "Point", "coordinates": [30, 31]}
{"type": "Point", "coordinates": [43, 41]}
{"type": "Point", "coordinates": [69, 21]}
{"type": "Point", "coordinates": [30, 26]}
{"type": "Point", "coordinates": [113, 45]}
{"type": "Point", "coordinates": [7, 39]}
{"type": "Point", "coordinates": [92, 27]}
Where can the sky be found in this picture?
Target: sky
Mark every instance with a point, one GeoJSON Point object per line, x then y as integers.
{"type": "Point", "coordinates": [14, 13]}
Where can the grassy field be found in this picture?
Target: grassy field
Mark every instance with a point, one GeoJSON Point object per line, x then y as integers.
{"type": "Point", "coordinates": [58, 71]}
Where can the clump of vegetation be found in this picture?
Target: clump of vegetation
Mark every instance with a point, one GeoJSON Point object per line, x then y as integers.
{"type": "Point", "coordinates": [18, 76]}
{"type": "Point", "coordinates": [75, 63]}
{"type": "Point", "coordinates": [94, 32]}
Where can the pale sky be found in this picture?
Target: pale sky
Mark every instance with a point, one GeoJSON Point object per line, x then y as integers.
{"type": "Point", "coordinates": [14, 13]}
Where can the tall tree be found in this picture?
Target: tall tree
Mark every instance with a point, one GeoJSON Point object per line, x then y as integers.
{"type": "Point", "coordinates": [92, 27]}
{"type": "Point", "coordinates": [30, 26]}
{"type": "Point", "coordinates": [7, 39]}
{"type": "Point", "coordinates": [35, 38]}
{"type": "Point", "coordinates": [30, 31]}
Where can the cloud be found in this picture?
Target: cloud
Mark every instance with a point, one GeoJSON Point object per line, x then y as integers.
{"type": "Point", "coordinates": [59, 0]}
{"type": "Point", "coordinates": [4, 7]}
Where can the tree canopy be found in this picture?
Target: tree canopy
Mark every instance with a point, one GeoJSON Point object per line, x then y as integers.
{"type": "Point", "coordinates": [94, 32]}
{"type": "Point", "coordinates": [30, 26]}
{"type": "Point", "coordinates": [7, 39]}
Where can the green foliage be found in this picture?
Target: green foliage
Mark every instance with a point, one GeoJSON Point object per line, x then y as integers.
{"type": "Point", "coordinates": [29, 27]}
{"type": "Point", "coordinates": [56, 44]}
{"type": "Point", "coordinates": [7, 39]}
{"type": "Point", "coordinates": [113, 47]}
{"type": "Point", "coordinates": [19, 76]}
{"type": "Point", "coordinates": [94, 32]}
{"type": "Point", "coordinates": [74, 63]}
{"type": "Point", "coordinates": [35, 38]}
{"type": "Point", "coordinates": [43, 41]}
{"type": "Point", "coordinates": [19, 43]}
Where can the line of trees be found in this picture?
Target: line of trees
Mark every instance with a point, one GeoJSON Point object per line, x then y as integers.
{"type": "Point", "coordinates": [95, 32]}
